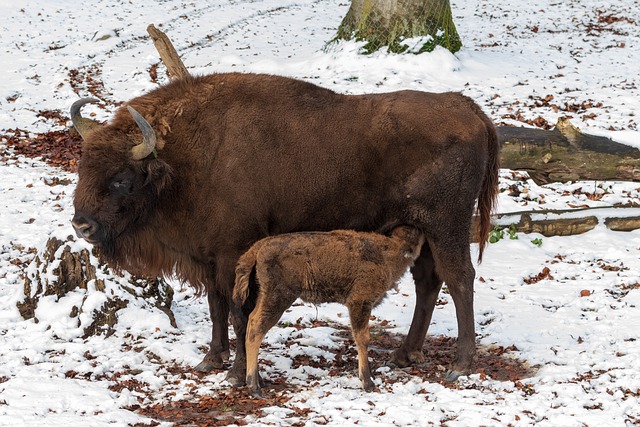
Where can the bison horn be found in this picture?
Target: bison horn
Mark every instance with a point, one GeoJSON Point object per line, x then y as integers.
{"type": "Point", "coordinates": [146, 147]}
{"type": "Point", "coordinates": [81, 124]}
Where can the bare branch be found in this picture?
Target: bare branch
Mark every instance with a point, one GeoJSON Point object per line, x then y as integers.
{"type": "Point", "coordinates": [168, 54]}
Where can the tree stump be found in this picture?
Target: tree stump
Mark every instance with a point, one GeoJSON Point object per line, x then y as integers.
{"type": "Point", "coordinates": [67, 269]}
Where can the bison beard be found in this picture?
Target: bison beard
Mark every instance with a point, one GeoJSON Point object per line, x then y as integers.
{"type": "Point", "coordinates": [185, 178]}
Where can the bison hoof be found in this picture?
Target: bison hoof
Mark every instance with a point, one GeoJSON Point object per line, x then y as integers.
{"type": "Point", "coordinates": [207, 366]}
{"type": "Point", "coordinates": [453, 375]}
{"type": "Point", "coordinates": [212, 362]}
{"type": "Point", "coordinates": [402, 358]}
{"type": "Point", "coordinates": [368, 386]}
{"type": "Point", "coordinates": [236, 379]}
{"type": "Point", "coordinates": [256, 392]}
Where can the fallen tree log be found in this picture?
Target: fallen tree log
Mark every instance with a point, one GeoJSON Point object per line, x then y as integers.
{"type": "Point", "coordinates": [567, 222]}
{"type": "Point", "coordinates": [566, 154]}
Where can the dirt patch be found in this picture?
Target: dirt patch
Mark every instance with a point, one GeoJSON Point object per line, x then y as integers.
{"type": "Point", "coordinates": [88, 79]}
{"type": "Point", "coordinates": [545, 274]}
{"type": "Point", "coordinates": [226, 407]}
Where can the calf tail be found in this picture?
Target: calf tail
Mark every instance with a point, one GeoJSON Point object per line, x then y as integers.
{"type": "Point", "coordinates": [489, 192]}
{"type": "Point", "coordinates": [244, 270]}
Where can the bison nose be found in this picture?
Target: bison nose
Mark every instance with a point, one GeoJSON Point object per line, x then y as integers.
{"type": "Point", "coordinates": [85, 227]}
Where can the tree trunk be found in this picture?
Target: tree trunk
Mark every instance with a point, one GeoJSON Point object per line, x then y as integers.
{"type": "Point", "coordinates": [566, 154]}
{"type": "Point", "coordinates": [391, 22]}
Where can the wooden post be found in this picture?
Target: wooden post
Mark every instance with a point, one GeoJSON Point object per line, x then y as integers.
{"type": "Point", "coordinates": [168, 54]}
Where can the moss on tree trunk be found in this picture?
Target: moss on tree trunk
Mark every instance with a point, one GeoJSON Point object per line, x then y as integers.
{"type": "Point", "coordinates": [391, 22]}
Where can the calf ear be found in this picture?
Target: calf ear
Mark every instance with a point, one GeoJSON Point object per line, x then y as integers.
{"type": "Point", "coordinates": [159, 175]}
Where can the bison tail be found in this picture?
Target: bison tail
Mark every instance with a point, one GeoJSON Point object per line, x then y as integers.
{"type": "Point", "coordinates": [489, 192]}
{"type": "Point", "coordinates": [244, 270]}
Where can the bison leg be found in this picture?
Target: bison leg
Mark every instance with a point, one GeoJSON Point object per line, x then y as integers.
{"type": "Point", "coordinates": [219, 348]}
{"type": "Point", "coordinates": [359, 313]}
{"type": "Point", "coordinates": [239, 318]}
{"type": "Point", "coordinates": [428, 286]}
{"type": "Point", "coordinates": [453, 264]}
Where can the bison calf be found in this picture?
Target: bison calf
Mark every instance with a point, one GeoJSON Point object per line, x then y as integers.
{"type": "Point", "coordinates": [347, 267]}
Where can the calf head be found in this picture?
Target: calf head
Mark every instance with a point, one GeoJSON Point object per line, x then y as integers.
{"type": "Point", "coordinates": [120, 178]}
{"type": "Point", "coordinates": [412, 239]}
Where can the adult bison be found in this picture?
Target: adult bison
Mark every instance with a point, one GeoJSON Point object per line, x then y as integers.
{"type": "Point", "coordinates": [185, 178]}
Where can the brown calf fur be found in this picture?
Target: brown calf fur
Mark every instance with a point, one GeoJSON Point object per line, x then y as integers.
{"type": "Point", "coordinates": [347, 267]}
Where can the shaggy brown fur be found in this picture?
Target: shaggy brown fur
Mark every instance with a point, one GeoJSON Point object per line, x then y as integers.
{"type": "Point", "coordinates": [354, 269]}
{"type": "Point", "coordinates": [244, 156]}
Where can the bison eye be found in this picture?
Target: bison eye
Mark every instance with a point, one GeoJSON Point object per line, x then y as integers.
{"type": "Point", "coordinates": [122, 184]}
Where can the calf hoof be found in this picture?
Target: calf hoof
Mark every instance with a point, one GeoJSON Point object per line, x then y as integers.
{"type": "Point", "coordinates": [402, 358]}
{"type": "Point", "coordinates": [368, 386]}
{"type": "Point", "coordinates": [212, 361]}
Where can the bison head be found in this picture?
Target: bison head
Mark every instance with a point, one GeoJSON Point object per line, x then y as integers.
{"type": "Point", "coordinates": [119, 180]}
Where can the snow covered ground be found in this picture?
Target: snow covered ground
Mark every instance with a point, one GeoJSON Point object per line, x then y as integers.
{"type": "Point", "coordinates": [567, 309]}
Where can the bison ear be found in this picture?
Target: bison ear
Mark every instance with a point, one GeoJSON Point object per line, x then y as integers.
{"type": "Point", "coordinates": [159, 175]}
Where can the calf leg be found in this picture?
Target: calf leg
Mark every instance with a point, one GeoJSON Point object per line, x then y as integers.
{"type": "Point", "coordinates": [256, 330]}
{"type": "Point", "coordinates": [359, 313]}
{"type": "Point", "coordinates": [428, 286]}
{"type": "Point", "coordinates": [269, 308]}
